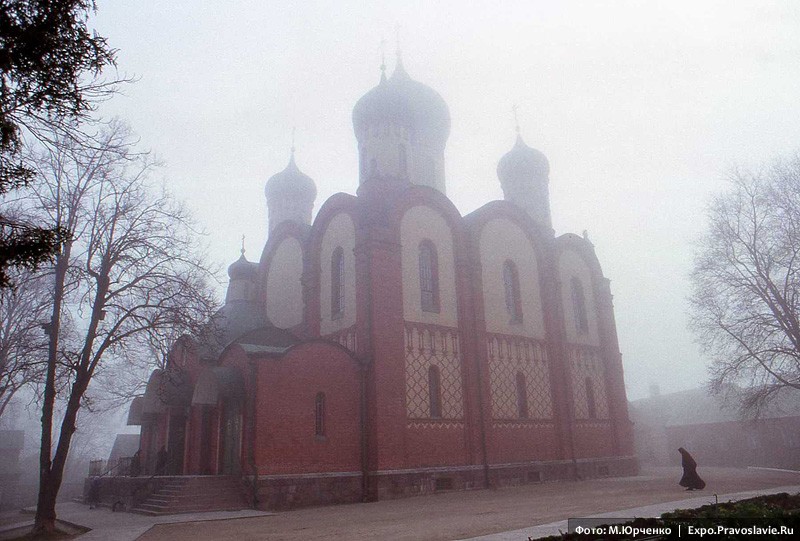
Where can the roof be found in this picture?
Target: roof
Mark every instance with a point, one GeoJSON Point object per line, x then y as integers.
{"type": "Point", "coordinates": [696, 406]}
{"type": "Point", "coordinates": [268, 336]}
{"type": "Point", "coordinates": [292, 183]}
{"type": "Point", "coordinates": [166, 388]}
{"type": "Point", "coordinates": [136, 411]}
{"type": "Point", "coordinates": [218, 382]}
{"type": "Point", "coordinates": [229, 323]}
{"type": "Point", "coordinates": [125, 445]}
{"type": "Point", "coordinates": [522, 163]}
{"type": "Point", "coordinates": [406, 101]}
{"type": "Point", "coordinates": [242, 269]}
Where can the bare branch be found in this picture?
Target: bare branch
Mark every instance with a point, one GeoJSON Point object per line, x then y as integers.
{"type": "Point", "coordinates": [745, 307]}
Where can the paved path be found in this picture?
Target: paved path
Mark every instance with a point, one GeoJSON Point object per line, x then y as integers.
{"type": "Point", "coordinates": [486, 515]}
{"type": "Point", "coordinates": [463, 515]}
{"type": "Point", "coordinates": [109, 526]}
{"type": "Point", "coordinates": [647, 511]}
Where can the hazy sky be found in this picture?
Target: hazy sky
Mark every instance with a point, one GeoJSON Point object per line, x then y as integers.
{"type": "Point", "coordinates": [641, 108]}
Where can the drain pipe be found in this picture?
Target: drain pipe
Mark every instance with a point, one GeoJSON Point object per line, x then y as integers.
{"type": "Point", "coordinates": [482, 421]}
{"type": "Point", "coordinates": [252, 429]}
{"type": "Point", "coordinates": [363, 423]}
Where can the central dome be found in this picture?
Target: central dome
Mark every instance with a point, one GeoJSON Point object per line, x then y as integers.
{"type": "Point", "coordinates": [401, 100]}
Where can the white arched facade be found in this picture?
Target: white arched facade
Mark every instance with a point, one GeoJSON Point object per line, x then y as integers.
{"type": "Point", "coordinates": [340, 233]}
{"type": "Point", "coordinates": [571, 267]}
{"type": "Point", "coordinates": [284, 290]}
{"type": "Point", "coordinates": [420, 224]}
{"type": "Point", "coordinates": [502, 240]}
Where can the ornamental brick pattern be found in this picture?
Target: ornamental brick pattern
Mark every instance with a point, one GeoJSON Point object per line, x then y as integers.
{"type": "Point", "coordinates": [428, 345]}
{"type": "Point", "coordinates": [585, 362]}
{"type": "Point", "coordinates": [509, 355]}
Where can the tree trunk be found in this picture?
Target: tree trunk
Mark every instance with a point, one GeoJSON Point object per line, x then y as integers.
{"type": "Point", "coordinates": [45, 522]}
{"type": "Point", "coordinates": [50, 483]}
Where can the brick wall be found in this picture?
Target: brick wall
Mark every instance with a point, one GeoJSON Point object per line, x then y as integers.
{"type": "Point", "coordinates": [286, 442]}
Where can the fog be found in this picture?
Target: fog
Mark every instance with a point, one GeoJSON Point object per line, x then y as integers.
{"type": "Point", "coordinates": [641, 108]}
{"type": "Point", "coordinates": [96, 431]}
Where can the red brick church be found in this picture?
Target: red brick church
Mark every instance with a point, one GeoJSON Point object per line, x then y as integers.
{"type": "Point", "coordinates": [391, 346]}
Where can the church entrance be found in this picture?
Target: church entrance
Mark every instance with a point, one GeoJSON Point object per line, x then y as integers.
{"type": "Point", "coordinates": [206, 433]}
{"type": "Point", "coordinates": [150, 435]}
{"type": "Point", "coordinates": [176, 444]}
{"type": "Point", "coordinates": [231, 439]}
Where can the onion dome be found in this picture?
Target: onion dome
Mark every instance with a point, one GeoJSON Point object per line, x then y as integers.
{"type": "Point", "coordinates": [242, 269]}
{"type": "Point", "coordinates": [291, 183]}
{"type": "Point", "coordinates": [524, 174]}
{"type": "Point", "coordinates": [401, 100]}
{"type": "Point", "coordinates": [522, 162]}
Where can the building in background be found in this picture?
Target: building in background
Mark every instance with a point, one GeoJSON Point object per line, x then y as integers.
{"type": "Point", "coordinates": [392, 346]}
{"type": "Point", "coordinates": [12, 443]}
{"type": "Point", "coordinates": [715, 434]}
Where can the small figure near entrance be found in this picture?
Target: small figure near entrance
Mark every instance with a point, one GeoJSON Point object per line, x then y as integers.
{"type": "Point", "coordinates": [94, 492]}
{"type": "Point", "coordinates": [136, 465]}
{"type": "Point", "coordinates": [690, 479]}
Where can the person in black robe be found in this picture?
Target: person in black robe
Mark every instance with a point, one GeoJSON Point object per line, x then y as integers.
{"type": "Point", "coordinates": [690, 479]}
{"type": "Point", "coordinates": [94, 492]}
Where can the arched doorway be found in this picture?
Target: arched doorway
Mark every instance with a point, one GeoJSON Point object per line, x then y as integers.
{"type": "Point", "coordinates": [231, 438]}
{"type": "Point", "coordinates": [219, 393]}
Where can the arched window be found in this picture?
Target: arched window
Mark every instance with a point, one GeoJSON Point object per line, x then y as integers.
{"type": "Point", "coordinates": [591, 405]}
{"type": "Point", "coordinates": [428, 277]}
{"type": "Point", "coordinates": [511, 285]}
{"type": "Point", "coordinates": [319, 415]}
{"type": "Point", "coordinates": [337, 283]}
{"type": "Point", "coordinates": [435, 390]}
{"type": "Point", "coordinates": [403, 161]}
{"type": "Point", "coordinates": [579, 306]}
{"type": "Point", "coordinates": [522, 396]}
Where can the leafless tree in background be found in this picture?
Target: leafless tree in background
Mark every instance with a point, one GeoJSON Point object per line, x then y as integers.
{"type": "Point", "coordinates": [23, 344]}
{"type": "Point", "coordinates": [746, 297]}
{"type": "Point", "coordinates": [130, 271]}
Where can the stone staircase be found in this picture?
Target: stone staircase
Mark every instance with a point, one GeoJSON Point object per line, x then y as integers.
{"type": "Point", "coordinates": [195, 494]}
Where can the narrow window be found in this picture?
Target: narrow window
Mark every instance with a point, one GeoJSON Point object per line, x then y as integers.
{"type": "Point", "coordinates": [319, 415]}
{"type": "Point", "coordinates": [403, 161]}
{"type": "Point", "coordinates": [591, 406]}
{"type": "Point", "coordinates": [337, 283]}
{"type": "Point", "coordinates": [428, 277]}
{"type": "Point", "coordinates": [579, 306]}
{"type": "Point", "coordinates": [522, 396]}
{"type": "Point", "coordinates": [511, 285]}
{"type": "Point", "coordinates": [434, 388]}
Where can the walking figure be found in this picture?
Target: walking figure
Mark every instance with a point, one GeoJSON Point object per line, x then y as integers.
{"type": "Point", "coordinates": [690, 479]}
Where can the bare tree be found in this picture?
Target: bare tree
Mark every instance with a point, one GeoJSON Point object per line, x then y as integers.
{"type": "Point", "coordinates": [746, 298]}
{"type": "Point", "coordinates": [23, 345]}
{"type": "Point", "coordinates": [129, 271]}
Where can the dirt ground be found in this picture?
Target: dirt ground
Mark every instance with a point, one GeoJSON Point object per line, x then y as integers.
{"type": "Point", "coordinates": [458, 515]}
